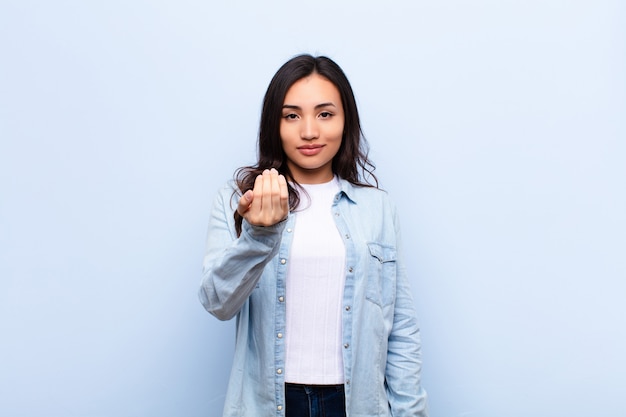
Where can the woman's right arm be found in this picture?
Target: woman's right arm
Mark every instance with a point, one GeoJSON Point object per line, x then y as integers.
{"type": "Point", "coordinates": [233, 265]}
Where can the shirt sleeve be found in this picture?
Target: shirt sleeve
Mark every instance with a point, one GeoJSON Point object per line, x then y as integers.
{"type": "Point", "coordinates": [406, 396]}
{"type": "Point", "coordinates": [233, 265]}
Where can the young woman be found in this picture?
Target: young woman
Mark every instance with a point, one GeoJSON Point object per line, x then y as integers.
{"type": "Point", "coordinates": [306, 253]}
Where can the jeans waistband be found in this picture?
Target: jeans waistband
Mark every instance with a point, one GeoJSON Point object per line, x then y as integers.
{"type": "Point", "coordinates": [313, 387]}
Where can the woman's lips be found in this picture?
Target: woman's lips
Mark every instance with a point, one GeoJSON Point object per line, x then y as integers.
{"type": "Point", "coordinates": [310, 150]}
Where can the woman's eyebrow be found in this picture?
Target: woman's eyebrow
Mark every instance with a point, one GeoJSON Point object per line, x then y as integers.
{"type": "Point", "coordinates": [329, 104]}
{"type": "Point", "coordinates": [291, 106]}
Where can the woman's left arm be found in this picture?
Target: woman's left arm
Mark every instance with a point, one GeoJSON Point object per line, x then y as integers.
{"type": "Point", "coordinates": [406, 396]}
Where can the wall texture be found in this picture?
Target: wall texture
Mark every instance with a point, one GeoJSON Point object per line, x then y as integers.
{"type": "Point", "coordinates": [497, 126]}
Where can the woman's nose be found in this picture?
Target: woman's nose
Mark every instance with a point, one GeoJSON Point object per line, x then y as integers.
{"type": "Point", "coordinates": [309, 129]}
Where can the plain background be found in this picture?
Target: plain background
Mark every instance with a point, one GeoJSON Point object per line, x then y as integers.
{"type": "Point", "coordinates": [498, 127]}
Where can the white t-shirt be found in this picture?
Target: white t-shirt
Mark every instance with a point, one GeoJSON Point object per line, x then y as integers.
{"type": "Point", "coordinates": [314, 290]}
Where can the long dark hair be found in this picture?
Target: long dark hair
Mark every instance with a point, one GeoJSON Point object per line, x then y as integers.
{"type": "Point", "coordinates": [350, 163]}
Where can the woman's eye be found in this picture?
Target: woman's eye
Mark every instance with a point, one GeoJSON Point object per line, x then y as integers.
{"type": "Point", "coordinates": [291, 116]}
{"type": "Point", "coordinates": [325, 115]}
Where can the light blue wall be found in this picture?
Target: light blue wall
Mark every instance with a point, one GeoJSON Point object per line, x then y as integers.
{"type": "Point", "coordinates": [497, 126]}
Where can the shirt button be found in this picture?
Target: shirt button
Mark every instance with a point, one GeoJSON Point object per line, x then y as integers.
{"type": "Point", "coordinates": [280, 335]}
{"type": "Point", "coordinates": [280, 408]}
{"type": "Point", "coordinates": [337, 214]}
{"type": "Point", "coordinates": [347, 236]}
{"type": "Point", "coordinates": [346, 345]}
{"type": "Point", "coordinates": [279, 371]}
{"type": "Point", "coordinates": [347, 382]}
{"type": "Point", "coordinates": [289, 231]}
{"type": "Point", "coordinates": [347, 308]}
{"type": "Point", "coordinates": [283, 261]}
{"type": "Point", "coordinates": [350, 269]}
{"type": "Point", "coordinates": [281, 298]}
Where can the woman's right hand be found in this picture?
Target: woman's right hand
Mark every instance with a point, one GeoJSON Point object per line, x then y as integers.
{"type": "Point", "coordinates": [268, 203]}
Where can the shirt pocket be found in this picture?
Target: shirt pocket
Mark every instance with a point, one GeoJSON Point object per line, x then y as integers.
{"type": "Point", "coordinates": [381, 276]}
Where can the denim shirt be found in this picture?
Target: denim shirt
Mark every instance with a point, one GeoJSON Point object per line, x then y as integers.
{"type": "Point", "coordinates": [246, 277]}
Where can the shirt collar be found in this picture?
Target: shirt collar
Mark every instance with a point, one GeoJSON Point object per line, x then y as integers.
{"type": "Point", "coordinates": [348, 189]}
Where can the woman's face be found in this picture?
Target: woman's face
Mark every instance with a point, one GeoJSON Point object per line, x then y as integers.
{"type": "Point", "coordinates": [311, 128]}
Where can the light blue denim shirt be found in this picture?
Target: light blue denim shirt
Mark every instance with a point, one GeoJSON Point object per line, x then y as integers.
{"type": "Point", "coordinates": [246, 276]}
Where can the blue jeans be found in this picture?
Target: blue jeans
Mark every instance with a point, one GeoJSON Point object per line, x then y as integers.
{"type": "Point", "coordinates": [315, 400]}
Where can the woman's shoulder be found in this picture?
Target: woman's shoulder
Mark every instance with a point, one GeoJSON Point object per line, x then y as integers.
{"type": "Point", "coordinates": [365, 192]}
{"type": "Point", "coordinates": [228, 192]}
{"type": "Point", "coordinates": [372, 201]}
{"type": "Point", "coordinates": [229, 186]}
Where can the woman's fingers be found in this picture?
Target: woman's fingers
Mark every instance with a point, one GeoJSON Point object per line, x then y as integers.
{"type": "Point", "coordinates": [284, 195]}
{"type": "Point", "coordinates": [279, 196]}
{"type": "Point", "coordinates": [270, 199]}
{"type": "Point", "coordinates": [257, 200]}
{"type": "Point", "coordinates": [244, 202]}
{"type": "Point", "coordinates": [268, 177]}
{"type": "Point", "coordinates": [275, 194]}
